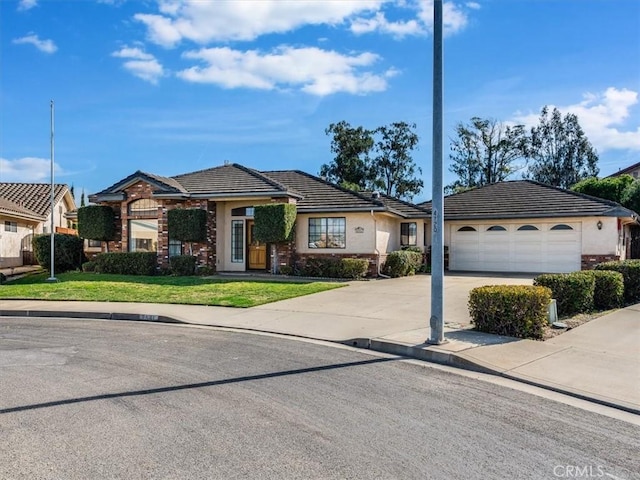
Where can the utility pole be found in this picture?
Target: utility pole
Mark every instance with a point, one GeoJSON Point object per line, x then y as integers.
{"type": "Point", "coordinates": [437, 203]}
{"type": "Point", "coordinates": [52, 278]}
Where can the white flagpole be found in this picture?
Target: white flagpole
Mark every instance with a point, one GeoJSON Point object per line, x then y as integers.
{"type": "Point", "coordinates": [52, 278]}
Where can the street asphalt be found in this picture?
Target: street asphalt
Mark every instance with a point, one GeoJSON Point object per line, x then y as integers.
{"type": "Point", "coordinates": [598, 361]}
{"type": "Point", "coordinates": [84, 399]}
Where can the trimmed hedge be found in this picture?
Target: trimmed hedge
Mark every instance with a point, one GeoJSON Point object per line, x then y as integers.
{"type": "Point", "coordinates": [274, 222]}
{"type": "Point", "coordinates": [127, 263]}
{"type": "Point", "coordinates": [96, 222]}
{"type": "Point", "coordinates": [187, 224]}
{"type": "Point", "coordinates": [354, 268]}
{"type": "Point", "coordinates": [331, 267]}
{"type": "Point", "coordinates": [402, 263]}
{"type": "Point", "coordinates": [630, 270]}
{"type": "Point", "coordinates": [609, 289]}
{"type": "Point", "coordinates": [513, 310]}
{"type": "Point", "coordinates": [69, 252]}
{"type": "Point", "coordinates": [573, 291]}
{"type": "Point", "coordinates": [90, 266]}
{"type": "Point", "coordinates": [183, 265]}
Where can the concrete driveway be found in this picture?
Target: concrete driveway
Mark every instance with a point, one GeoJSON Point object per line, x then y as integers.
{"type": "Point", "coordinates": [378, 308]}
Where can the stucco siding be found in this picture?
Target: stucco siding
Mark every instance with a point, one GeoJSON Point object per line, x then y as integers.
{"type": "Point", "coordinates": [360, 236]}
{"type": "Point", "coordinates": [11, 242]}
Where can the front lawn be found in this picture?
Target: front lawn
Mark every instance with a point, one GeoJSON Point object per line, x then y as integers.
{"type": "Point", "coordinates": [181, 290]}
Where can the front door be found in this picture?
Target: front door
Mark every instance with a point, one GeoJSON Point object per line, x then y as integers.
{"type": "Point", "coordinates": [257, 251]}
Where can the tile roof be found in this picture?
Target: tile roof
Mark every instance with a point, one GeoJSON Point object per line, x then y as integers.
{"type": "Point", "coordinates": [163, 184]}
{"type": "Point", "coordinates": [525, 199]}
{"type": "Point", "coordinates": [35, 197]}
{"type": "Point", "coordinates": [13, 209]}
{"type": "Point", "coordinates": [320, 195]}
{"type": "Point", "coordinates": [230, 179]}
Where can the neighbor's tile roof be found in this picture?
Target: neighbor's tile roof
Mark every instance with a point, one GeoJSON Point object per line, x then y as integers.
{"type": "Point", "coordinates": [525, 199]}
{"type": "Point", "coordinates": [320, 195]}
{"type": "Point", "coordinates": [35, 197]}
{"type": "Point", "coordinates": [629, 169]}
{"type": "Point", "coordinates": [13, 209]}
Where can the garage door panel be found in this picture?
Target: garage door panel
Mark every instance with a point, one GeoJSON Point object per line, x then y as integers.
{"type": "Point", "coordinates": [537, 248]}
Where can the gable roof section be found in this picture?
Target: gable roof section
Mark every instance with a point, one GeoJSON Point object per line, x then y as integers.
{"type": "Point", "coordinates": [34, 197]}
{"type": "Point", "coordinates": [12, 209]}
{"type": "Point", "coordinates": [525, 199]}
{"type": "Point", "coordinates": [162, 185]}
{"type": "Point", "coordinates": [322, 196]}
{"type": "Point", "coordinates": [232, 180]}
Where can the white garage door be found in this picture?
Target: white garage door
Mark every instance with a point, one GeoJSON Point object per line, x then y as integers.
{"type": "Point", "coordinates": [524, 247]}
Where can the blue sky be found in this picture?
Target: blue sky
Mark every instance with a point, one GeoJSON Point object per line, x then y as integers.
{"type": "Point", "coordinates": [171, 86]}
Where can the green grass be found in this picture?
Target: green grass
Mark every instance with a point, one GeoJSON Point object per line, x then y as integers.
{"type": "Point", "coordinates": [181, 290]}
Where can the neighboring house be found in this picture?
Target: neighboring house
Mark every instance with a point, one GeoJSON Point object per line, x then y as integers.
{"type": "Point", "coordinates": [633, 170]}
{"type": "Point", "coordinates": [331, 221]}
{"type": "Point", "coordinates": [25, 210]}
{"type": "Point", "coordinates": [525, 226]}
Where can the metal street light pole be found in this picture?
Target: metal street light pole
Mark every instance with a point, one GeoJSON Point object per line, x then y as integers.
{"type": "Point", "coordinates": [52, 278]}
{"type": "Point", "coordinates": [437, 203]}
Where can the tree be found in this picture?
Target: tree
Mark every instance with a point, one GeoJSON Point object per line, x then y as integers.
{"type": "Point", "coordinates": [610, 188]}
{"type": "Point", "coordinates": [82, 199]}
{"type": "Point", "coordinates": [351, 165]}
{"type": "Point", "coordinates": [485, 152]}
{"type": "Point", "coordinates": [630, 197]}
{"type": "Point", "coordinates": [560, 154]}
{"type": "Point", "coordinates": [393, 168]}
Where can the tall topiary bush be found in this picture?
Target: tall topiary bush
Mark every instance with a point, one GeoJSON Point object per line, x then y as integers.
{"type": "Point", "coordinates": [187, 225]}
{"type": "Point", "coordinates": [97, 222]}
{"type": "Point", "coordinates": [68, 255]}
{"type": "Point", "coordinates": [274, 223]}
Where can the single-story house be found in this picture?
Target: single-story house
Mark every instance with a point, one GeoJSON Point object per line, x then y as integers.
{"type": "Point", "coordinates": [633, 170]}
{"type": "Point", "coordinates": [25, 210]}
{"type": "Point", "coordinates": [526, 226]}
{"type": "Point", "coordinates": [331, 221]}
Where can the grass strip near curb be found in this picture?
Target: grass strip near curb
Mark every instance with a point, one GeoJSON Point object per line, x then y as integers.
{"type": "Point", "coordinates": [94, 287]}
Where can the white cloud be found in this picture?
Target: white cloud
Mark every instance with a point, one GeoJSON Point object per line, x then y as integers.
{"type": "Point", "coordinates": [46, 46]}
{"type": "Point", "coordinates": [24, 5]}
{"type": "Point", "coordinates": [454, 19]}
{"type": "Point", "coordinates": [473, 5]}
{"type": "Point", "coordinates": [205, 22]}
{"type": "Point", "coordinates": [603, 117]}
{"type": "Point", "coordinates": [27, 169]}
{"type": "Point", "coordinates": [141, 64]}
{"type": "Point", "coordinates": [312, 70]}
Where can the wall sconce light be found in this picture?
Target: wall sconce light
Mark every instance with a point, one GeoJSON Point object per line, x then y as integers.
{"type": "Point", "coordinates": [599, 224]}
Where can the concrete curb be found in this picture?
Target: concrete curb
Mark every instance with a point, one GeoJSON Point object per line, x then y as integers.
{"type": "Point", "coordinates": [429, 354]}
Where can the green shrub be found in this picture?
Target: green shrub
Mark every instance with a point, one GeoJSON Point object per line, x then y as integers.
{"type": "Point", "coordinates": [286, 270]}
{"type": "Point", "coordinates": [354, 268]}
{"type": "Point", "coordinates": [328, 267]}
{"type": "Point", "coordinates": [630, 270]}
{"type": "Point", "coordinates": [573, 291]}
{"type": "Point", "coordinates": [187, 224]}
{"type": "Point", "coordinates": [127, 263]}
{"type": "Point", "coordinates": [69, 252]}
{"type": "Point", "coordinates": [205, 270]}
{"type": "Point", "coordinates": [183, 265]}
{"type": "Point", "coordinates": [274, 222]}
{"type": "Point", "coordinates": [97, 222]}
{"type": "Point", "coordinates": [513, 310]}
{"type": "Point", "coordinates": [609, 289]}
{"type": "Point", "coordinates": [630, 197]}
{"type": "Point", "coordinates": [90, 266]}
{"type": "Point", "coordinates": [3, 278]}
{"type": "Point", "coordinates": [402, 263]}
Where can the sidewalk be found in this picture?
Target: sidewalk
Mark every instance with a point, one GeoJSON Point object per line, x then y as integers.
{"type": "Point", "coordinates": [598, 361]}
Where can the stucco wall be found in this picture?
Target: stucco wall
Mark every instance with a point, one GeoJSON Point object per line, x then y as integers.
{"type": "Point", "coordinates": [11, 242]}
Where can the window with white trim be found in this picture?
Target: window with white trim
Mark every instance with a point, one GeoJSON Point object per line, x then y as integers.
{"type": "Point", "coordinates": [10, 226]}
{"type": "Point", "coordinates": [237, 241]}
{"type": "Point", "coordinates": [408, 234]}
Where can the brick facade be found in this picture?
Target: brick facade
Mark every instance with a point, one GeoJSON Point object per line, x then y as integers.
{"type": "Point", "coordinates": [590, 261]}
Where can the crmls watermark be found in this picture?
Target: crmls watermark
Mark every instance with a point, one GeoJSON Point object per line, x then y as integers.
{"type": "Point", "coordinates": [577, 471]}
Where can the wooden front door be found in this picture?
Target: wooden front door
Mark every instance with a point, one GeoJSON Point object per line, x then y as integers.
{"type": "Point", "coordinates": [257, 254]}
